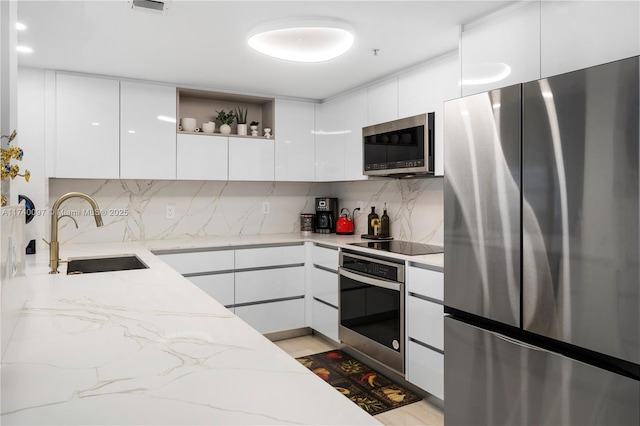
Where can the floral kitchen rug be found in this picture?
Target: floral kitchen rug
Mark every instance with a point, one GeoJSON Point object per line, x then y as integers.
{"type": "Point", "coordinates": [372, 391]}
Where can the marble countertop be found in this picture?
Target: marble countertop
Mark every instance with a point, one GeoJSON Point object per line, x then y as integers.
{"type": "Point", "coordinates": [145, 347]}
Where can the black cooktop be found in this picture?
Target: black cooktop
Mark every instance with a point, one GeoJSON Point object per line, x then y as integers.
{"type": "Point", "coordinates": [402, 247]}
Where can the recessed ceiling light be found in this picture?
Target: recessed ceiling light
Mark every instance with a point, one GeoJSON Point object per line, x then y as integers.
{"type": "Point", "coordinates": [24, 49]}
{"type": "Point", "coordinates": [20, 26]}
{"type": "Point", "coordinates": [303, 39]}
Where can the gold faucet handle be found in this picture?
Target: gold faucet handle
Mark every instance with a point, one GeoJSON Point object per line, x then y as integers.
{"type": "Point", "coordinates": [48, 243]}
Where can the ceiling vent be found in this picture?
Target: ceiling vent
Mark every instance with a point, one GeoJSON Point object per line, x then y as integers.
{"type": "Point", "coordinates": [152, 6]}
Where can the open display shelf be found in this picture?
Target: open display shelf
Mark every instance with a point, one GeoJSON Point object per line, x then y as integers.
{"type": "Point", "coordinates": [202, 105]}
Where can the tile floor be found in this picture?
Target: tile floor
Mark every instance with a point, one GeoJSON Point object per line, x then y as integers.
{"type": "Point", "coordinates": [419, 413]}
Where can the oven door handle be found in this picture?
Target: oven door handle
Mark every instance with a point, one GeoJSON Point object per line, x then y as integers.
{"type": "Point", "coordinates": [371, 281]}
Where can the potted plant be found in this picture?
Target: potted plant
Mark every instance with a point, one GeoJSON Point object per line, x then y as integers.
{"type": "Point", "coordinates": [241, 119]}
{"type": "Point", "coordinates": [225, 118]}
{"type": "Point", "coordinates": [254, 128]}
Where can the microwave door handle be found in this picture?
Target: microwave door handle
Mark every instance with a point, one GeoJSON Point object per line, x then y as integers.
{"type": "Point", "coordinates": [371, 281]}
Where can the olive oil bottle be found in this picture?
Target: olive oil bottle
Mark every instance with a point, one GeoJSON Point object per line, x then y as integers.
{"type": "Point", "coordinates": [370, 220]}
{"type": "Point", "coordinates": [384, 223]}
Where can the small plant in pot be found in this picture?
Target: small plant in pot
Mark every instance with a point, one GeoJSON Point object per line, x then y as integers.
{"type": "Point", "coordinates": [225, 118]}
{"type": "Point", "coordinates": [254, 128]}
{"type": "Point", "coordinates": [241, 119]}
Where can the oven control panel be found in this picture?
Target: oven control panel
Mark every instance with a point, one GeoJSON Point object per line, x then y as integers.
{"type": "Point", "coordinates": [388, 269]}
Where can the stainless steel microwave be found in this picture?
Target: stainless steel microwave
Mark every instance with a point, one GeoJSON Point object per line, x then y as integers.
{"type": "Point", "coordinates": [399, 148]}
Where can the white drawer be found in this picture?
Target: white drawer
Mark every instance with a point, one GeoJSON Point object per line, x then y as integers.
{"type": "Point", "coordinates": [324, 319]}
{"type": "Point", "coordinates": [201, 261]}
{"type": "Point", "coordinates": [254, 286]}
{"type": "Point", "coordinates": [325, 257]}
{"type": "Point", "coordinates": [425, 369]}
{"type": "Point", "coordinates": [425, 282]}
{"type": "Point", "coordinates": [425, 321]}
{"type": "Point", "coordinates": [218, 286]}
{"type": "Point", "coordinates": [275, 316]}
{"type": "Point", "coordinates": [324, 286]}
{"type": "Point", "coordinates": [269, 256]}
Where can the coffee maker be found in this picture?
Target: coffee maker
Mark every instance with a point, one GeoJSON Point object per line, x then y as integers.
{"type": "Point", "coordinates": [326, 215]}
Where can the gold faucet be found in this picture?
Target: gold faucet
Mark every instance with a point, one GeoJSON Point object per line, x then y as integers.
{"type": "Point", "coordinates": [54, 246]}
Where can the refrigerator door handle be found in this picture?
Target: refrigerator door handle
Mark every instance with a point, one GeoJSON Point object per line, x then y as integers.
{"type": "Point", "coordinates": [519, 343]}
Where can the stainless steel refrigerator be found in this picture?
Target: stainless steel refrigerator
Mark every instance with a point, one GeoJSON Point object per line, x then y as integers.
{"type": "Point", "coordinates": [541, 243]}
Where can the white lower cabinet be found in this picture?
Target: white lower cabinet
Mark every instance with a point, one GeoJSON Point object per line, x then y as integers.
{"type": "Point", "coordinates": [275, 316]}
{"type": "Point", "coordinates": [424, 318]}
{"type": "Point", "coordinates": [218, 286]}
{"type": "Point", "coordinates": [324, 286]}
{"type": "Point", "coordinates": [425, 368]}
{"type": "Point", "coordinates": [269, 284]}
{"type": "Point", "coordinates": [324, 319]}
{"type": "Point", "coordinates": [425, 322]}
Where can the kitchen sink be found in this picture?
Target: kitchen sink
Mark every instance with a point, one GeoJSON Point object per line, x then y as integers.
{"type": "Point", "coordinates": [104, 264]}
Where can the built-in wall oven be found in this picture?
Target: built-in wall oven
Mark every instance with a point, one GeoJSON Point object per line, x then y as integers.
{"type": "Point", "coordinates": [372, 307]}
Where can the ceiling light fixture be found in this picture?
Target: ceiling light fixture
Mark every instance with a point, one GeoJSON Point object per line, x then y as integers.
{"type": "Point", "coordinates": [24, 49]}
{"type": "Point", "coordinates": [303, 39]}
{"type": "Point", "coordinates": [20, 26]}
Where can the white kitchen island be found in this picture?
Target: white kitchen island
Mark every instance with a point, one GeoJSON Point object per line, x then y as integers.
{"type": "Point", "coordinates": [145, 347]}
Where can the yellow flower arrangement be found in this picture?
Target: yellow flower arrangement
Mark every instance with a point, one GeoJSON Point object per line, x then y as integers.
{"type": "Point", "coordinates": [8, 169]}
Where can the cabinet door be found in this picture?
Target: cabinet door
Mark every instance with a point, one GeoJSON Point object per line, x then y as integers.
{"type": "Point", "coordinates": [325, 257]}
{"type": "Point", "coordinates": [325, 319]}
{"type": "Point", "coordinates": [324, 286]}
{"type": "Point", "coordinates": [274, 317]}
{"type": "Point", "coordinates": [355, 107]}
{"type": "Point", "coordinates": [295, 141]}
{"type": "Point", "coordinates": [425, 282]}
{"type": "Point", "coordinates": [147, 131]}
{"type": "Point", "coordinates": [251, 159]}
{"type": "Point", "coordinates": [198, 262]}
{"type": "Point", "coordinates": [270, 256]}
{"type": "Point", "coordinates": [218, 286]}
{"type": "Point", "coordinates": [382, 103]}
{"type": "Point", "coordinates": [425, 322]}
{"type": "Point", "coordinates": [87, 127]}
{"type": "Point", "coordinates": [202, 157]}
{"type": "Point", "coordinates": [581, 34]}
{"type": "Point", "coordinates": [425, 369]}
{"type": "Point", "coordinates": [269, 284]}
{"type": "Point", "coordinates": [501, 51]}
{"type": "Point", "coordinates": [330, 133]}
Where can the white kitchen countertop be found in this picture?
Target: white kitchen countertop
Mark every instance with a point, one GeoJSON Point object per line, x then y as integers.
{"type": "Point", "coordinates": [145, 347]}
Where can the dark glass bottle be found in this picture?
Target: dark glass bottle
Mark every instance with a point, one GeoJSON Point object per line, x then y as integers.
{"type": "Point", "coordinates": [373, 215]}
{"type": "Point", "coordinates": [384, 223]}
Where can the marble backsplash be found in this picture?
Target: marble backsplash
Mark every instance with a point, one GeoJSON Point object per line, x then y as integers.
{"type": "Point", "coordinates": [136, 209]}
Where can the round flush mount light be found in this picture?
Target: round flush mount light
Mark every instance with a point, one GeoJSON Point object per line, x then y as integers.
{"type": "Point", "coordinates": [303, 39]}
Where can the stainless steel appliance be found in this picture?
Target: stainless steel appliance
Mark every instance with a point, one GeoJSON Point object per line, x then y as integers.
{"type": "Point", "coordinates": [402, 247]}
{"type": "Point", "coordinates": [371, 307]}
{"type": "Point", "coordinates": [400, 148]}
{"type": "Point", "coordinates": [542, 251]}
{"type": "Point", "coordinates": [326, 215]}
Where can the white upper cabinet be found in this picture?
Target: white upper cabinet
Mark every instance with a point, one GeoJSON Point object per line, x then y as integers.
{"type": "Point", "coordinates": [581, 34]}
{"type": "Point", "coordinates": [251, 159]}
{"type": "Point", "coordinates": [202, 157]}
{"type": "Point", "coordinates": [502, 49]}
{"type": "Point", "coordinates": [147, 131]}
{"type": "Point", "coordinates": [87, 127]}
{"type": "Point", "coordinates": [355, 115]}
{"type": "Point", "coordinates": [382, 104]}
{"type": "Point", "coordinates": [425, 90]}
{"type": "Point", "coordinates": [339, 124]}
{"type": "Point", "coordinates": [330, 132]}
{"type": "Point", "coordinates": [294, 141]}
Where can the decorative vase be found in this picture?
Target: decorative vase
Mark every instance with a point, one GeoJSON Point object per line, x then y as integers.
{"type": "Point", "coordinates": [242, 129]}
{"type": "Point", "coordinates": [225, 129]}
{"type": "Point", "coordinates": [254, 130]}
